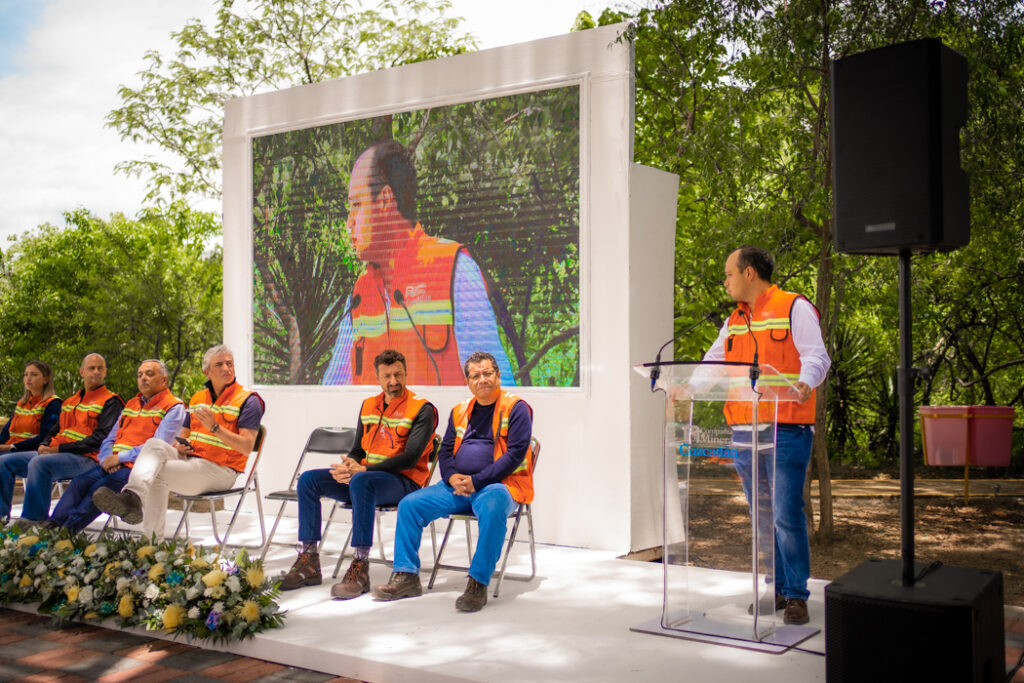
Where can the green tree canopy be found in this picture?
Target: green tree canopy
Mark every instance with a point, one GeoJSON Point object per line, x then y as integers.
{"type": "Point", "coordinates": [268, 45]}
{"type": "Point", "coordinates": [127, 289]}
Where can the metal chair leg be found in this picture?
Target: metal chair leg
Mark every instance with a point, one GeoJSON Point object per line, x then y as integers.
{"type": "Point", "coordinates": [273, 530]}
{"type": "Point", "coordinates": [440, 553]}
{"type": "Point", "coordinates": [341, 557]}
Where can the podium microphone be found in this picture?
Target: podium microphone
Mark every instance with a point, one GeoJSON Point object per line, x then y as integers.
{"type": "Point", "coordinates": [755, 370]}
{"type": "Point", "coordinates": [400, 300]}
{"type": "Point", "coordinates": [656, 369]}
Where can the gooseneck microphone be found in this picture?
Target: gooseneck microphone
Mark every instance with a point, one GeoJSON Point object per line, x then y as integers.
{"type": "Point", "coordinates": [656, 369]}
{"type": "Point", "coordinates": [755, 370]}
{"type": "Point", "coordinates": [400, 300]}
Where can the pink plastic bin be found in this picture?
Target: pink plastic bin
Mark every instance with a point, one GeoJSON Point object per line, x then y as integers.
{"type": "Point", "coordinates": [945, 429]}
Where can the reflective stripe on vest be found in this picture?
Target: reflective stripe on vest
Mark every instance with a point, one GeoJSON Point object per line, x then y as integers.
{"type": "Point", "coordinates": [386, 431]}
{"type": "Point", "coordinates": [520, 482]}
{"type": "Point", "coordinates": [79, 416]}
{"type": "Point", "coordinates": [770, 326]}
{"type": "Point", "coordinates": [28, 418]}
{"type": "Point", "coordinates": [139, 422]}
{"type": "Point", "coordinates": [226, 410]}
{"type": "Point", "coordinates": [422, 273]}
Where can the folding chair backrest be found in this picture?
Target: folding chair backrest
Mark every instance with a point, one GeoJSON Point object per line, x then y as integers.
{"type": "Point", "coordinates": [335, 442]}
{"type": "Point", "coordinates": [535, 447]}
{"type": "Point", "coordinates": [257, 448]}
{"type": "Point", "coordinates": [432, 458]}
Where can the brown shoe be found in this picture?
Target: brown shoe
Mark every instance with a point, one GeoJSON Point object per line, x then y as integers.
{"type": "Point", "coordinates": [474, 598]}
{"type": "Point", "coordinates": [305, 572]}
{"type": "Point", "coordinates": [796, 612]}
{"type": "Point", "coordinates": [125, 504]}
{"type": "Point", "coordinates": [400, 585]}
{"type": "Point", "coordinates": [355, 583]}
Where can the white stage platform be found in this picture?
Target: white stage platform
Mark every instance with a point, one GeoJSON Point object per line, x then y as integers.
{"type": "Point", "coordinates": [570, 623]}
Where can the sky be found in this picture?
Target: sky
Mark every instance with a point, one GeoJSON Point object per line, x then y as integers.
{"type": "Point", "coordinates": [62, 61]}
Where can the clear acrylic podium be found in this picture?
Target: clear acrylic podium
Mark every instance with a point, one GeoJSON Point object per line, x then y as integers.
{"type": "Point", "coordinates": [703, 456]}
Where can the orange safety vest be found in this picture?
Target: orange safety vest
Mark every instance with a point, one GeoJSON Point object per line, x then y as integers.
{"type": "Point", "coordinates": [139, 421]}
{"type": "Point", "coordinates": [80, 414]}
{"type": "Point", "coordinates": [770, 325]}
{"type": "Point", "coordinates": [225, 409]}
{"type": "Point", "coordinates": [520, 482]}
{"type": "Point", "coordinates": [386, 430]}
{"type": "Point", "coordinates": [423, 272]}
{"type": "Point", "coordinates": [28, 418]}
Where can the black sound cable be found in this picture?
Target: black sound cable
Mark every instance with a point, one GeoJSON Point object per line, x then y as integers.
{"type": "Point", "coordinates": [400, 300]}
{"type": "Point", "coordinates": [755, 370]}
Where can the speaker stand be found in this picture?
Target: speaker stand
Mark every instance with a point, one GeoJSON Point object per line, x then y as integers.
{"type": "Point", "coordinates": [905, 388]}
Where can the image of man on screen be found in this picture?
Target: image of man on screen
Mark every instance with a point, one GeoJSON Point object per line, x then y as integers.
{"type": "Point", "coordinates": [421, 295]}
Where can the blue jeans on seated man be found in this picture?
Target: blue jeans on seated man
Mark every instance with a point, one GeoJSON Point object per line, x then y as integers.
{"type": "Point", "coordinates": [792, 549]}
{"type": "Point", "coordinates": [75, 510]}
{"type": "Point", "coordinates": [492, 505]}
{"type": "Point", "coordinates": [39, 473]}
{"type": "Point", "coordinates": [364, 492]}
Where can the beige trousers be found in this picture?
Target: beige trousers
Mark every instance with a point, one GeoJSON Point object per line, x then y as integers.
{"type": "Point", "coordinates": [161, 468]}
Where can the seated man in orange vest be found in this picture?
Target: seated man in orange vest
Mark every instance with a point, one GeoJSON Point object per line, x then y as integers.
{"type": "Point", "coordinates": [486, 467]}
{"type": "Point", "coordinates": [421, 295]}
{"type": "Point", "coordinates": [154, 413]}
{"type": "Point", "coordinates": [394, 436]}
{"type": "Point", "coordinates": [85, 420]}
{"type": "Point", "coordinates": [213, 449]}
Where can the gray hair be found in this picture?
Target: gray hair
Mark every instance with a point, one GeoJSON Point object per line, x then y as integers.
{"type": "Point", "coordinates": [215, 351]}
{"type": "Point", "coordinates": [480, 357]}
{"type": "Point", "coordinates": [162, 365]}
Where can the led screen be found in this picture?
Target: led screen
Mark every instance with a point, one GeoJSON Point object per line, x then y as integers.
{"type": "Point", "coordinates": [435, 232]}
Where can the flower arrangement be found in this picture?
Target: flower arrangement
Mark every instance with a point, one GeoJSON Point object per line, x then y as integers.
{"type": "Point", "coordinates": [170, 585]}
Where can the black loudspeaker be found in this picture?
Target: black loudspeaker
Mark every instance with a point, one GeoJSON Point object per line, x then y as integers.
{"type": "Point", "coordinates": [946, 627]}
{"type": "Point", "coordinates": [896, 177]}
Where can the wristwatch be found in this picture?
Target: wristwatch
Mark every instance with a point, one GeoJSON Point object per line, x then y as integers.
{"type": "Point", "coordinates": [215, 428]}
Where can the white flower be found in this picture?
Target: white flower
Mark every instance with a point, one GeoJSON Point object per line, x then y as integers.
{"type": "Point", "coordinates": [180, 561]}
{"type": "Point", "coordinates": [152, 592]}
{"type": "Point", "coordinates": [192, 593]}
{"type": "Point", "coordinates": [101, 551]}
{"type": "Point", "coordinates": [85, 595]}
{"type": "Point", "coordinates": [91, 576]}
{"type": "Point", "coordinates": [193, 613]}
{"type": "Point", "coordinates": [125, 564]}
{"type": "Point", "coordinates": [233, 584]}
{"type": "Point", "coordinates": [122, 583]}
{"type": "Point", "coordinates": [160, 556]}
{"type": "Point", "coordinates": [40, 569]}
{"type": "Point", "coordinates": [78, 562]}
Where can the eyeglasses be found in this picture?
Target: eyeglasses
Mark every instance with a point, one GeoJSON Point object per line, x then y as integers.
{"type": "Point", "coordinates": [487, 374]}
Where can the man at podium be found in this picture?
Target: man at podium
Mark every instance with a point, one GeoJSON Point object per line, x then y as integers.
{"type": "Point", "coordinates": [781, 329]}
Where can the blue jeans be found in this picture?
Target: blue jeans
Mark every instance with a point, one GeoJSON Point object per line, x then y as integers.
{"type": "Point", "coordinates": [492, 505]}
{"type": "Point", "coordinates": [365, 491]}
{"type": "Point", "coordinates": [75, 509]}
{"type": "Point", "coordinates": [792, 549]}
{"type": "Point", "coordinates": [39, 471]}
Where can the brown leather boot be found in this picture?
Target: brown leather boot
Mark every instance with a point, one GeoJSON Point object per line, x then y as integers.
{"type": "Point", "coordinates": [355, 583]}
{"type": "Point", "coordinates": [305, 572]}
{"type": "Point", "coordinates": [474, 598]}
{"type": "Point", "coordinates": [796, 612]}
{"type": "Point", "coordinates": [400, 585]}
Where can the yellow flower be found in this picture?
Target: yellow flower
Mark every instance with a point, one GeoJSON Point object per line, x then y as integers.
{"type": "Point", "coordinates": [156, 571]}
{"type": "Point", "coordinates": [61, 572]}
{"type": "Point", "coordinates": [254, 575]}
{"type": "Point", "coordinates": [28, 540]}
{"type": "Point", "coordinates": [72, 593]}
{"type": "Point", "coordinates": [145, 551]}
{"type": "Point", "coordinates": [200, 563]}
{"type": "Point", "coordinates": [191, 549]}
{"type": "Point", "coordinates": [126, 607]}
{"type": "Point", "coordinates": [91, 615]}
{"type": "Point", "coordinates": [214, 578]}
{"type": "Point", "coordinates": [217, 592]}
{"type": "Point", "coordinates": [89, 550]}
{"type": "Point", "coordinates": [250, 611]}
{"type": "Point", "coordinates": [26, 581]}
{"type": "Point", "coordinates": [108, 571]}
{"type": "Point", "coordinates": [63, 545]}
{"type": "Point", "coordinates": [173, 616]}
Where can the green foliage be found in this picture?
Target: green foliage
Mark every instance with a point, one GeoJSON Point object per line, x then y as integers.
{"type": "Point", "coordinates": [127, 289]}
{"type": "Point", "coordinates": [733, 96]}
{"type": "Point", "coordinates": [268, 45]}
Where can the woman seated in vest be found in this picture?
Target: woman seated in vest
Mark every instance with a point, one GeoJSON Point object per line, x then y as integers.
{"type": "Point", "coordinates": [37, 413]}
